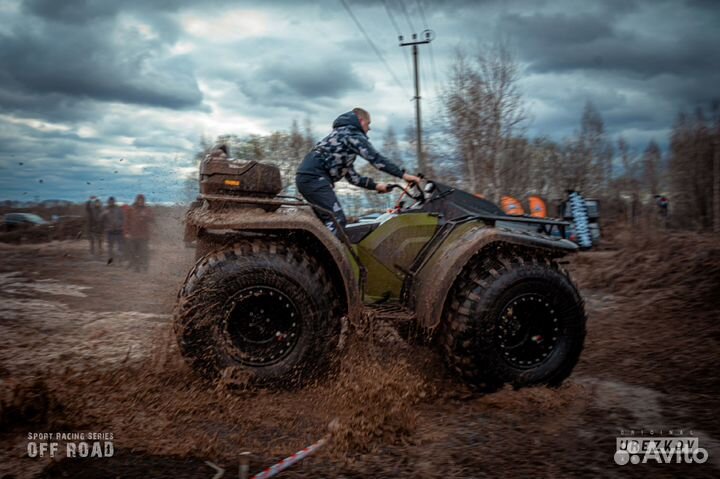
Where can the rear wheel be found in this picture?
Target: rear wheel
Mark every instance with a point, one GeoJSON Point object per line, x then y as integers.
{"type": "Point", "coordinates": [516, 319]}
{"type": "Point", "coordinates": [263, 311]}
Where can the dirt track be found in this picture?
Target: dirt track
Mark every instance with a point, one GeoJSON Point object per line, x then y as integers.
{"type": "Point", "coordinates": [86, 346]}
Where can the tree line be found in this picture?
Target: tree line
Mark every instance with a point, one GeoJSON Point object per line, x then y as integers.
{"type": "Point", "coordinates": [478, 140]}
{"type": "Point", "coordinates": [485, 117]}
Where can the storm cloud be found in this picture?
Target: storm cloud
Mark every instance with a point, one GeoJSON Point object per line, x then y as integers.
{"type": "Point", "coordinates": [103, 96]}
{"type": "Point", "coordinates": [300, 84]}
{"type": "Point", "coordinates": [105, 62]}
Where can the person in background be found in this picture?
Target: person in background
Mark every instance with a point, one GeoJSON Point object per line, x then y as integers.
{"type": "Point", "coordinates": [94, 226]}
{"type": "Point", "coordinates": [662, 209]}
{"type": "Point", "coordinates": [137, 232]}
{"type": "Point", "coordinates": [113, 220]}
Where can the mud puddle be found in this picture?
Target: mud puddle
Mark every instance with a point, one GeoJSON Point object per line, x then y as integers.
{"type": "Point", "coordinates": [98, 337]}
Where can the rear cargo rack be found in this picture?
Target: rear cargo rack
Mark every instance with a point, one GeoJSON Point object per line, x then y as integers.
{"type": "Point", "coordinates": [283, 201]}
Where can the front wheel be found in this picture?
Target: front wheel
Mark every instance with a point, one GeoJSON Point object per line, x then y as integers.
{"type": "Point", "coordinates": [264, 311]}
{"type": "Point", "coordinates": [514, 319]}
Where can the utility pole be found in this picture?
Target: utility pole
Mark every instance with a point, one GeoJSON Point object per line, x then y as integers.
{"type": "Point", "coordinates": [716, 185]}
{"type": "Point", "coordinates": [428, 37]}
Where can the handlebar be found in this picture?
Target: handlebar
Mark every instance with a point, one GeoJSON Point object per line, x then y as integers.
{"type": "Point", "coordinates": [418, 197]}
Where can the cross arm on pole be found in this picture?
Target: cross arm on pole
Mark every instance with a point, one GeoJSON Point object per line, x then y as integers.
{"type": "Point", "coordinates": [427, 37]}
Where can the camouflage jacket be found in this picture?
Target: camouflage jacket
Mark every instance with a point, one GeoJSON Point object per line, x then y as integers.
{"type": "Point", "coordinates": [334, 155]}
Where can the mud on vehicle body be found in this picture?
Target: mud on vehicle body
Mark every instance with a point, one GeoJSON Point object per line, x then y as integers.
{"type": "Point", "coordinates": [273, 290]}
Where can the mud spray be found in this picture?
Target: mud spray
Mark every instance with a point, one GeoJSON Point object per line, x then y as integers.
{"type": "Point", "coordinates": [400, 413]}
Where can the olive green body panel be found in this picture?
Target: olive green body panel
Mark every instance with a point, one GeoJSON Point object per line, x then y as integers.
{"type": "Point", "coordinates": [434, 280]}
{"type": "Point", "coordinates": [285, 221]}
{"type": "Point", "coordinates": [388, 252]}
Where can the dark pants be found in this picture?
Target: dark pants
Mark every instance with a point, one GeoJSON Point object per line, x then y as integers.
{"type": "Point", "coordinates": [139, 254]}
{"type": "Point", "coordinates": [115, 238]}
{"type": "Point", "coordinates": [318, 190]}
{"type": "Point", "coordinates": [96, 239]}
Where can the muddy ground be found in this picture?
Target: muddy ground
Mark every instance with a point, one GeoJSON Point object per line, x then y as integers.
{"type": "Point", "coordinates": [86, 346]}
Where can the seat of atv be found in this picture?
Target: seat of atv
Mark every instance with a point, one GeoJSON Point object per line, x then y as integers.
{"type": "Point", "coordinates": [357, 231]}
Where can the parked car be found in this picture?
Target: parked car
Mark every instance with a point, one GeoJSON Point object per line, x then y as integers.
{"type": "Point", "coordinates": [15, 221]}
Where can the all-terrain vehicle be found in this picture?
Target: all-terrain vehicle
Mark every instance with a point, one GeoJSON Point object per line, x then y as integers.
{"type": "Point", "coordinates": [273, 290]}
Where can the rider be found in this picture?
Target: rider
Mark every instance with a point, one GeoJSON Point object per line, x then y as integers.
{"type": "Point", "coordinates": [332, 158]}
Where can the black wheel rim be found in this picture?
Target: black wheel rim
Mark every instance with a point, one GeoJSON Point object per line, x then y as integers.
{"type": "Point", "coordinates": [262, 326]}
{"type": "Point", "coordinates": [528, 331]}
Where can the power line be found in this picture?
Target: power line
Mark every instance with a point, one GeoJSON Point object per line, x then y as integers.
{"type": "Point", "coordinates": [422, 13]}
{"type": "Point", "coordinates": [397, 29]}
{"type": "Point", "coordinates": [372, 45]}
{"type": "Point", "coordinates": [432, 56]}
{"type": "Point", "coordinates": [434, 71]}
{"type": "Point", "coordinates": [407, 17]}
{"type": "Point", "coordinates": [392, 17]}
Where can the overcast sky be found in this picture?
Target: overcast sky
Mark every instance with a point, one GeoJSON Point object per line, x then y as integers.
{"type": "Point", "coordinates": [111, 97]}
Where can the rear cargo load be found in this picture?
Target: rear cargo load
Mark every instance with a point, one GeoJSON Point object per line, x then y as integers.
{"type": "Point", "coordinates": [222, 175]}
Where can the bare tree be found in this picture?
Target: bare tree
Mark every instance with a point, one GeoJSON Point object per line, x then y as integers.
{"type": "Point", "coordinates": [484, 111]}
{"type": "Point", "coordinates": [596, 148]}
{"type": "Point", "coordinates": [692, 168]}
{"type": "Point", "coordinates": [627, 159]}
{"type": "Point", "coordinates": [651, 167]}
{"type": "Point", "coordinates": [391, 146]}
{"type": "Point", "coordinates": [629, 183]}
{"type": "Point", "coordinates": [545, 156]}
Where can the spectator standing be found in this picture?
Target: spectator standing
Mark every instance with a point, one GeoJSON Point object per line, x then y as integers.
{"type": "Point", "coordinates": [662, 209]}
{"type": "Point", "coordinates": [137, 232]}
{"type": "Point", "coordinates": [94, 225]}
{"type": "Point", "coordinates": [113, 220]}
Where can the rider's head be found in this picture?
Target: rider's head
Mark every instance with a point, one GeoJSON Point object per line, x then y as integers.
{"type": "Point", "coordinates": [364, 118]}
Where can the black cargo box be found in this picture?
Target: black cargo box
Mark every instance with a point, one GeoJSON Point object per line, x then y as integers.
{"type": "Point", "coordinates": [220, 175]}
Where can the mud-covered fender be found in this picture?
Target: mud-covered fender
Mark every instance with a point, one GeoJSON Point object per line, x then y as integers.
{"type": "Point", "coordinates": [433, 281]}
{"type": "Point", "coordinates": [284, 222]}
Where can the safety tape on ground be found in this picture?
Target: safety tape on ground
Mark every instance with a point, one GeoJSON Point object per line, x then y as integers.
{"type": "Point", "coordinates": [275, 469]}
{"type": "Point", "coordinates": [289, 461]}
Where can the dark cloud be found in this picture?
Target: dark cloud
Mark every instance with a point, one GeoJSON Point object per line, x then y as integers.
{"type": "Point", "coordinates": [559, 28]}
{"type": "Point", "coordinates": [81, 11]}
{"type": "Point", "coordinates": [108, 77]}
{"type": "Point", "coordinates": [295, 82]}
{"type": "Point", "coordinates": [27, 149]}
{"type": "Point", "coordinates": [324, 78]}
{"type": "Point", "coordinates": [711, 6]}
{"type": "Point", "coordinates": [87, 63]}
{"type": "Point", "coordinates": [625, 53]}
{"type": "Point", "coordinates": [73, 11]}
{"type": "Point", "coordinates": [655, 50]}
{"type": "Point", "coordinates": [54, 107]}
{"type": "Point", "coordinates": [562, 42]}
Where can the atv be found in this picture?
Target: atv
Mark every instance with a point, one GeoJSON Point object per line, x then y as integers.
{"type": "Point", "coordinates": [273, 290]}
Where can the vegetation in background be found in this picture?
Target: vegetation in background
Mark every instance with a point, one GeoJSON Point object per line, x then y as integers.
{"type": "Point", "coordinates": [480, 142]}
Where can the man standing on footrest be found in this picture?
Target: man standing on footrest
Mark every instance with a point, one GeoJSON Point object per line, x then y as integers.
{"type": "Point", "coordinates": [332, 159]}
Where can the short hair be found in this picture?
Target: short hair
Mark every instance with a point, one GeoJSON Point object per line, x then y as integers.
{"type": "Point", "coordinates": [361, 113]}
